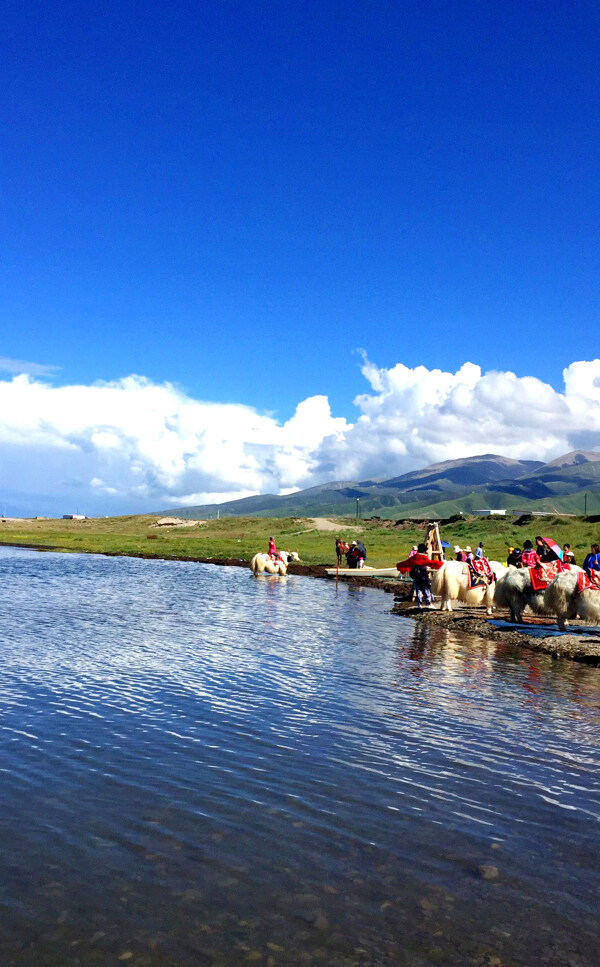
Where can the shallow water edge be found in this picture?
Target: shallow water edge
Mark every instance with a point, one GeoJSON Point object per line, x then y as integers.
{"type": "Point", "coordinates": [464, 620]}
{"type": "Point", "coordinates": [203, 768]}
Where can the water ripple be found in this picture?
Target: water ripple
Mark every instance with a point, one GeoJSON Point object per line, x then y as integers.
{"type": "Point", "coordinates": [283, 754]}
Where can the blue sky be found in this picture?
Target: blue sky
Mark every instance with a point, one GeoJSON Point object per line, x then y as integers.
{"type": "Point", "coordinates": [236, 197]}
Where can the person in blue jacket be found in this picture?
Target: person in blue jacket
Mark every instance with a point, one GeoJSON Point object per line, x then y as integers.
{"type": "Point", "coordinates": [592, 560]}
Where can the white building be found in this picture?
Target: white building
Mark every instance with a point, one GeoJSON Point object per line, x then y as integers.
{"type": "Point", "coordinates": [490, 513]}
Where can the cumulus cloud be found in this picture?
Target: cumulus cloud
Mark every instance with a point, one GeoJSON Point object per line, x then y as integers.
{"type": "Point", "coordinates": [136, 445]}
{"type": "Point", "coordinates": [151, 444]}
{"type": "Point", "coordinates": [418, 416]}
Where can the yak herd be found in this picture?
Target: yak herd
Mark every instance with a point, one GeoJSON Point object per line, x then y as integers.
{"type": "Point", "coordinates": [567, 595]}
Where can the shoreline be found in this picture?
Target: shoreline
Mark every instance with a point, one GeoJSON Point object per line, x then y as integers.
{"type": "Point", "coordinates": [573, 645]}
{"type": "Point", "coordinates": [303, 570]}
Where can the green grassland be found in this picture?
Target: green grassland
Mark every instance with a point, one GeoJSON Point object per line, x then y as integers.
{"type": "Point", "coordinates": [242, 537]}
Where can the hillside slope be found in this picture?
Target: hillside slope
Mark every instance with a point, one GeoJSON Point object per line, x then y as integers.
{"type": "Point", "coordinates": [453, 486]}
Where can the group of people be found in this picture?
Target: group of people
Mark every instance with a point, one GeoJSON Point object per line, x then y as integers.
{"type": "Point", "coordinates": [354, 552]}
{"type": "Point", "coordinates": [466, 554]}
{"type": "Point", "coordinates": [418, 564]}
{"type": "Point", "coordinates": [543, 552]}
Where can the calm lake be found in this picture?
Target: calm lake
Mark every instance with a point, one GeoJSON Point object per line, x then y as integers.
{"type": "Point", "coordinates": [200, 767]}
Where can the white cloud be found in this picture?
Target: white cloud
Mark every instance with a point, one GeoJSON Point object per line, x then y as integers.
{"type": "Point", "coordinates": [151, 444]}
{"type": "Point", "coordinates": [419, 416]}
{"type": "Point", "coordinates": [8, 365]}
{"type": "Point", "coordinates": [133, 444]}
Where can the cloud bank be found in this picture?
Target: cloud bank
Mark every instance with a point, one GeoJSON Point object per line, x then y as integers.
{"type": "Point", "coordinates": [133, 445]}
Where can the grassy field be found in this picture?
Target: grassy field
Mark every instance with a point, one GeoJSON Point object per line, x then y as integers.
{"type": "Point", "coordinates": [238, 537]}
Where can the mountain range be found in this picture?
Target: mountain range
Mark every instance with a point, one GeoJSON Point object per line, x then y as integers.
{"type": "Point", "coordinates": [569, 484]}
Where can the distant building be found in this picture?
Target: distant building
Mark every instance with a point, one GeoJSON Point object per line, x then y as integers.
{"type": "Point", "coordinates": [74, 517]}
{"type": "Point", "coordinates": [490, 513]}
{"type": "Point", "coordinates": [540, 513]}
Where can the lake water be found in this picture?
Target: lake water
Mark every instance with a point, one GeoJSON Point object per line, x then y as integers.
{"type": "Point", "coordinates": [200, 767]}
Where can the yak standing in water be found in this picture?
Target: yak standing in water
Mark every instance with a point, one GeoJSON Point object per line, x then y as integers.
{"type": "Point", "coordinates": [288, 556]}
{"type": "Point", "coordinates": [264, 564]}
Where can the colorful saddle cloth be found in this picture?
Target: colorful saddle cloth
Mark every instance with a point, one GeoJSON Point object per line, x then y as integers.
{"type": "Point", "coordinates": [542, 574]}
{"type": "Point", "coordinates": [584, 582]}
{"type": "Point", "coordinates": [480, 573]}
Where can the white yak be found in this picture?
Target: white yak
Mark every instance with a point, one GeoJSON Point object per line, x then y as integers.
{"type": "Point", "coordinates": [515, 591]}
{"type": "Point", "coordinates": [288, 556]}
{"type": "Point", "coordinates": [562, 598]}
{"type": "Point", "coordinates": [262, 563]}
{"type": "Point", "coordinates": [451, 583]}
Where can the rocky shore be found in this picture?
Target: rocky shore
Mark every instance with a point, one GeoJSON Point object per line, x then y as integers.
{"type": "Point", "coordinates": [539, 634]}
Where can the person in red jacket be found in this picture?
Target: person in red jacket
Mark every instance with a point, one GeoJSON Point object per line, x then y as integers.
{"type": "Point", "coordinates": [529, 557]}
{"type": "Point", "coordinates": [418, 567]}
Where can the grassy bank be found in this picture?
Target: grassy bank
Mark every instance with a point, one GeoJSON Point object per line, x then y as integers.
{"type": "Point", "coordinates": [238, 537]}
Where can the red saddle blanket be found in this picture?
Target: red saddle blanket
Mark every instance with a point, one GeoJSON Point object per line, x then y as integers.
{"type": "Point", "coordinates": [480, 573]}
{"type": "Point", "coordinates": [584, 582]}
{"type": "Point", "coordinates": [542, 574]}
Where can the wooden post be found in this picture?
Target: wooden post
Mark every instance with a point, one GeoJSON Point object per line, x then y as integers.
{"type": "Point", "coordinates": [433, 541]}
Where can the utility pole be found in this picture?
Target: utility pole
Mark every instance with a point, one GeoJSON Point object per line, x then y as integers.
{"type": "Point", "coordinates": [357, 506]}
{"type": "Point", "coordinates": [585, 505]}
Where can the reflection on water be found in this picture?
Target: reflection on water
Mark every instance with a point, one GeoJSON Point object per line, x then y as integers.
{"type": "Point", "coordinates": [200, 767]}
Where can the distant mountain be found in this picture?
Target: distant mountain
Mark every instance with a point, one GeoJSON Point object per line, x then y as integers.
{"type": "Point", "coordinates": [467, 484]}
{"type": "Point", "coordinates": [468, 471]}
{"type": "Point", "coordinates": [575, 458]}
{"type": "Point", "coordinates": [570, 474]}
